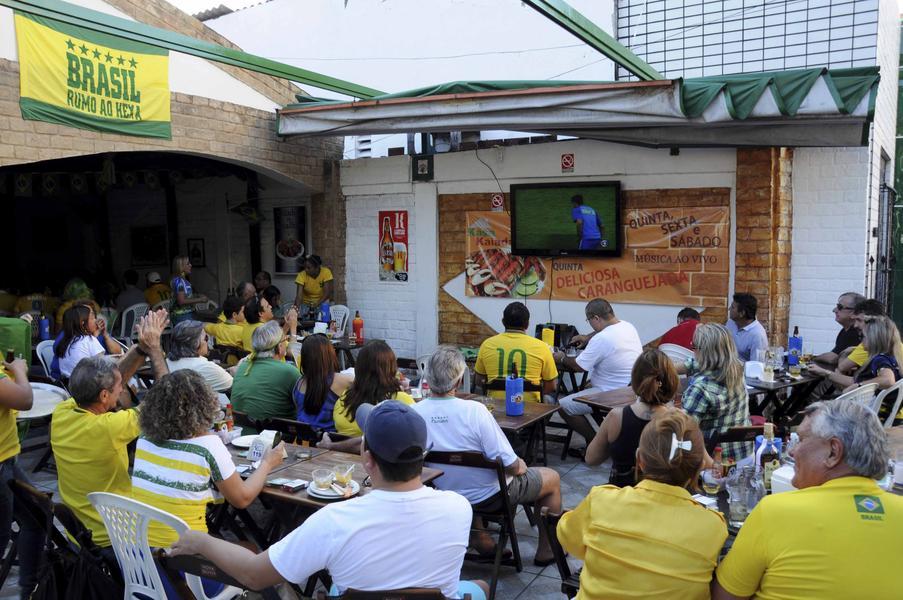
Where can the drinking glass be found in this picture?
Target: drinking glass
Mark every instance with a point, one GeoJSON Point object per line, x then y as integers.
{"type": "Point", "coordinates": [489, 404]}
{"type": "Point", "coordinates": [711, 482]}
{"type": "Point", "coordinates": [344, 473]}
{"type": "Point", "coordinates": [323, 478]}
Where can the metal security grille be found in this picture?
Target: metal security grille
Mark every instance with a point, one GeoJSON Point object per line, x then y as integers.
{"type": "Point", "coordinates": [695, 38]}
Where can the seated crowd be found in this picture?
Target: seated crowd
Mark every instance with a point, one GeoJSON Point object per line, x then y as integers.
{"type": "Point", "coordinates": [642, 534]}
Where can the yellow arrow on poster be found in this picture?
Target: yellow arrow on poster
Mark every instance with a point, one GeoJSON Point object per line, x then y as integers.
{"type": "Point", "coordinates": [81, 78]}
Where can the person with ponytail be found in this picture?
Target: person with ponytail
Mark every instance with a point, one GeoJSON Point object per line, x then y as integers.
{"type": "Point", "coordinates": [263, 382]}
{"type": "Point", "coordinates": [651, 539]}
{"type": "Point", "coordinates": [321, 385]}
{"type": "Point", "coordinates": [654, 381]}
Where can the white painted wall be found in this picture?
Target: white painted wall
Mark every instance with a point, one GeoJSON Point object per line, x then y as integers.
{"type": "Point", "coordinates": [383, 183]}
{"type": "Point", "coordinates": [406, 44]}
{"type": "Point", "coordinates": [187, 74]}
{"type": "Point", "coordinates": [835, 206]}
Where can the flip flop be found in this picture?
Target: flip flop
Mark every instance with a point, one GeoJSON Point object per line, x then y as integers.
{"type": "Point", "coordinates": [489, 556]}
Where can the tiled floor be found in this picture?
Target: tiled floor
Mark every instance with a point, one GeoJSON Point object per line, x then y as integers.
{"type": "Point", "coordinates": [532, 583]}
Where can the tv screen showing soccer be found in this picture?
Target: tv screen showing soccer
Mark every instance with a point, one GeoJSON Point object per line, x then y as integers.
{"type": "Point", "coordinates": [570, 219]}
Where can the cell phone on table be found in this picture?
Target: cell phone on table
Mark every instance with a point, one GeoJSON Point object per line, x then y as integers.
{"type": "Point", "coordinates": [289, 485]}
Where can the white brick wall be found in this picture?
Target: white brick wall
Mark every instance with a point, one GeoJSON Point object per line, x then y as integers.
{"type": "Point", "coordinates": [388, 308]}
{"type": "Point", "coordinates": [829, 236]}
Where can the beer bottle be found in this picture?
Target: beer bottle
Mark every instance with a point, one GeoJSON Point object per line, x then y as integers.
{"type": "Point", "coordinates": [387, 247]}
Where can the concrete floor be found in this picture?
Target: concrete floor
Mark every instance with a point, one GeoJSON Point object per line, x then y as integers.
{"type": "Point", "coordinates": [532, 583]}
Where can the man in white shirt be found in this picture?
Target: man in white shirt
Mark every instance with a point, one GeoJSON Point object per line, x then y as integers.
{"type": "Point", "coordinates": [188, 350]}
{"type": "Point", "coordinates": [611, 349]}
{"type": "Point", "coordinates": [749, 334]}
{"type": "Point", "coordinates": [457, 425]}
{"type": "Point", "coordinates": [399, 535]}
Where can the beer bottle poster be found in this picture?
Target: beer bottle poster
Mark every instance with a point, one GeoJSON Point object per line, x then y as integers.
{"type": "Point", "coordinates": [393, 245]}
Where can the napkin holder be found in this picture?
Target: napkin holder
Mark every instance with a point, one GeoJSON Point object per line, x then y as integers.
{"type": "Point", "coordinates": [754, 369]}
{"type": "Point", "coordinates": [268, 435]}
{"type": "Point", "coordinates": [321, 327]}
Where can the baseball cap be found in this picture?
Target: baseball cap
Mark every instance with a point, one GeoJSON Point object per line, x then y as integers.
{"type": "Point", "coordinates": [391, 429]}
{"type": "Point", "coordinates": [153, 277]}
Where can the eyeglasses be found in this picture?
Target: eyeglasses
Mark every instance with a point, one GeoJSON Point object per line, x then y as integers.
{"type": "Point", "coordinates": [842, 307]}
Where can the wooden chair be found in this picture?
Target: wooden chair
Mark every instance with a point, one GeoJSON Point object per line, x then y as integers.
{"type": "Point", "coordinates": [500, 513]}
{"type": "Point", "coordinates": [294, 432]}
{"type": "Point", "coordinates": [243, 420]}
{"type": "Point", "coordinates": [734, 434]}
{"type": "Point", "coordinates": [570, 582]}
{"type": "Point", "coordinates": [405, 594]}
{"type": "Point", "coordinates": [498, 385]}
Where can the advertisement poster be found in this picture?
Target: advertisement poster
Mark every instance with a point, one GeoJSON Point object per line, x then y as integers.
{"type": "Point", "coordinates": [290, 224]}
{"type": "Point", "coordinates": [81, 78]}
{"type": "Point", "coordinates": [393, 245]}
{"type": "Point", "coordinates": [671, 256]}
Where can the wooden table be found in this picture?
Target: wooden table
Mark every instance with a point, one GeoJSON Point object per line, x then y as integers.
{"type": "Point", "coordinates": [295, 453]}
{"type": "Point", "coordinates": [604, 402]}
{"type": "Point", "coordinates": [802, 390]}
{"type": "Point", "coordinates": [534, 417]}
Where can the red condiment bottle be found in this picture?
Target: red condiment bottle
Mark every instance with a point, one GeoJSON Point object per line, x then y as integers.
{"type": "Point", "coordinates": [357, 326]}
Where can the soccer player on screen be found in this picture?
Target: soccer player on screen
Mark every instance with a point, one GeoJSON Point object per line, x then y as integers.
{"type": "Point", "coordinates": [589, 225]}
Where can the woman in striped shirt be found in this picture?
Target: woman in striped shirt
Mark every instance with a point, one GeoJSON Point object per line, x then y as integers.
{"type": "Point", "coordinates": [180, 466]}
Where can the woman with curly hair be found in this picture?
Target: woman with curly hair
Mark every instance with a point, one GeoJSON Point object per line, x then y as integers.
{"type": "Point", "coordinates": [375, 380]}
{"type": "Point", "coordinates": [180, 466]}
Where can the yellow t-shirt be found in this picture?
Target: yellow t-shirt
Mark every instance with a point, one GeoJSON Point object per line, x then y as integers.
{"type": "Point", "coordinates": [648, 541]}
{"type": "Point", "coordinates": [498, 352]}
{"type": "Point", "coordinates": [842, 539]}
{"type": "Point", "coordinates": [860, 356]}
{"type": "Point", "coordinates": [37, 302]}
{"type": "Point", "coordinates": [158, 292]}
{"type": "Point", "coordinates": [9, 434]}
{"type": "Point", "coordinates": [312, 293]}
{"type": "Point", "coordinates": [226, 334]}
{"type": "Point", "coordinates": [344, 426]}
{"type": "Point", "coordinates": [91, 456]}
{"type": "Point", "coordinates": [247, 330]}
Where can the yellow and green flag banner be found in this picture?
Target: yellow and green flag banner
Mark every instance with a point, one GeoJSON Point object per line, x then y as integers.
{"type": "Point", "coordinates": [82, 78]}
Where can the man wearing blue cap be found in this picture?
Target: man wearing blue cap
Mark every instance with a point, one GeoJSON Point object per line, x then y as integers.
{"type": "Point", "coordinates": [400, 535]}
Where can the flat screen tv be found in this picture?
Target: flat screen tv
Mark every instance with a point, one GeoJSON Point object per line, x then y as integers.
{"type": "Point", "coordinates": [566, 219]}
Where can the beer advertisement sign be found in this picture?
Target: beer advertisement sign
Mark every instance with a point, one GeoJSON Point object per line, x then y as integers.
{"type": "Point", "coordinates": [673, 255]}
{"type": "Point", "coordinates": [81, 78]}
{"type": "Point", "coordinates": [393, 245]}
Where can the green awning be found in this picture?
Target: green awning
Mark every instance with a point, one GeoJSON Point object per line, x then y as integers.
{"type": "Point", "coordinates": [807, 107]}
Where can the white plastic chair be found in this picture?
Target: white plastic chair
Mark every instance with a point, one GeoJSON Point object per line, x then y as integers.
{"type": "Point", "coordinates": [208, 305]}
{"type": "Point", "coordinates": [44, 351]}
{"type": "Point", "coordinates": [126, 521]}
{"type": "Point", "coordinates": [879, 400]}
{"type": "Point", "coordinates": [677, 354]}
{"type": "Point", "coordinates": [864, 394]}
{"type": "Point", "coordinates": [162, 304]}
{"type": "Point", "coordinates": [339, 313]}
{"type": "Point", "coordinates": [422, 361]}
{"type": "Point", "coordinates": [128, 319]}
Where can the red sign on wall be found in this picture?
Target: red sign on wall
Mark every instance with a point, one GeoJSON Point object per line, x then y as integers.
{"type": "Point", "coordinates": [567, 163]}
{"type": "Point", "coordinates": [393, 245]}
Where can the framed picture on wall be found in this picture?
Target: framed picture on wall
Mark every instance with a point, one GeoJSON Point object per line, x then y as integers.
{"type": "Point", "coordinates": [149, 246]}
{"type": "Point", "coordinates": [196, 253]}
{"type": "Point", "coordinates": [422, 167]}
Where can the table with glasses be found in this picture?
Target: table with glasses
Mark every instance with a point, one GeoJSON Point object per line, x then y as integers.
{"type": "Point", "coordinates": [801, 387]}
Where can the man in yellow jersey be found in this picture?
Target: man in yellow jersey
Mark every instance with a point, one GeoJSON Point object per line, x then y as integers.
{"type": "Point", "coordinates": [229, 330]}
{"type": "Point", "coordinates": [15, 395]}
{"type": "Point", "coordinates": [838, 535]}
{"type": "Point", "coordinates": [89, 436]}
{"type": "Point", "coordinates": [531, 356]}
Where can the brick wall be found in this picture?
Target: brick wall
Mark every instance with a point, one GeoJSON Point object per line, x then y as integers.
{"type": "Point", "coordinates": [328, 217]}
{"type": "Point", "coordinates": [460, 326]}
{"type": "Point", "coordinates": [764, 226]}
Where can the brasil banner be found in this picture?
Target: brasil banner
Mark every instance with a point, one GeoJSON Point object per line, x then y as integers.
{"type": "Point", "coordinates": [91, 80]}
{"type": "Point", "coordinates": [673, 255]}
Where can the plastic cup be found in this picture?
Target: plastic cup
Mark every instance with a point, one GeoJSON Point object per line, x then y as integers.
{"type": "Point", "coordinates": [323, 478]}
{"type": "Point", "coordinates": [344, 473]}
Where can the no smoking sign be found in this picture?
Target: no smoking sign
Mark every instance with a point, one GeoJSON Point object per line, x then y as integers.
{"type": "Point", "coordinates": [567, 163]}
{"type": "Point", "coordinates": [497, 202]}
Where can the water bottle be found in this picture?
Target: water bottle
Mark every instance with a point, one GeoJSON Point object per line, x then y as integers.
{"type": "Point", "coordinates": [43, 328]}
{"type": "Point", "coordinates": [514, 393]}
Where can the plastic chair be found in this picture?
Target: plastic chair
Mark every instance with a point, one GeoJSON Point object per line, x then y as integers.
{"type": "Point", "coordinates": [208, 305]}
{"type": "Point", "coordinates": [864, 394]}
{"type": "Point", "coordinates": [126, 521]}
{"type": "Point", "coordinates": [340, 313]}
{"type": "Point", "coordinates": [162, 304]}
{"type": "Point", "coordinates": [128, 319]}
{"type": "Point", "coordinates": [44, 351]}
{"type": "Point", "coordinates": [676, 353]}
{"type": "Point", "coordinates": [879, 400]}
{"type": "Point", "coordinates": [422, 361]}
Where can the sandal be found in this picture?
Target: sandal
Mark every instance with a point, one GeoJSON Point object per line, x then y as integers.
{"type": "Point", "coordinates": [489, 555]}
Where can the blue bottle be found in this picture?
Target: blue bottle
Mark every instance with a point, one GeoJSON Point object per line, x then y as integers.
{"type": "Point", "coordinates": [43, 328]}
{"type": "Point", "coordinates": [514, 393]}
{"type": "Point", "coordinates": [323, 315]}
{"type": "Point", "coordinates": [794, 347]}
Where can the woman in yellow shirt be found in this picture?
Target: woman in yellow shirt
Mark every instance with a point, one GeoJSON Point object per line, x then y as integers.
{"type": "Point", "coordinates": [375, 380]}
{"type": "Point", "coordinates": [314, 285]}
{"type": "Point", "coordinates": [652, 540]}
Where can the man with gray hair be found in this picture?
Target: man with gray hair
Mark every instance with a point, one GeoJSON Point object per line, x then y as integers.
{"type": "Point", "coordinates": [188, 350]}
{"type": "Point", "coordinates": [611, 349]}
{"type": "Point", "coordinates": [457, 425]}
{"type": "Point", "coordinates": [264, 382]}
{"type": "Point", "coordinates": [89, 435]}
{"type": "Point", "coordinates": [839, 535]}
